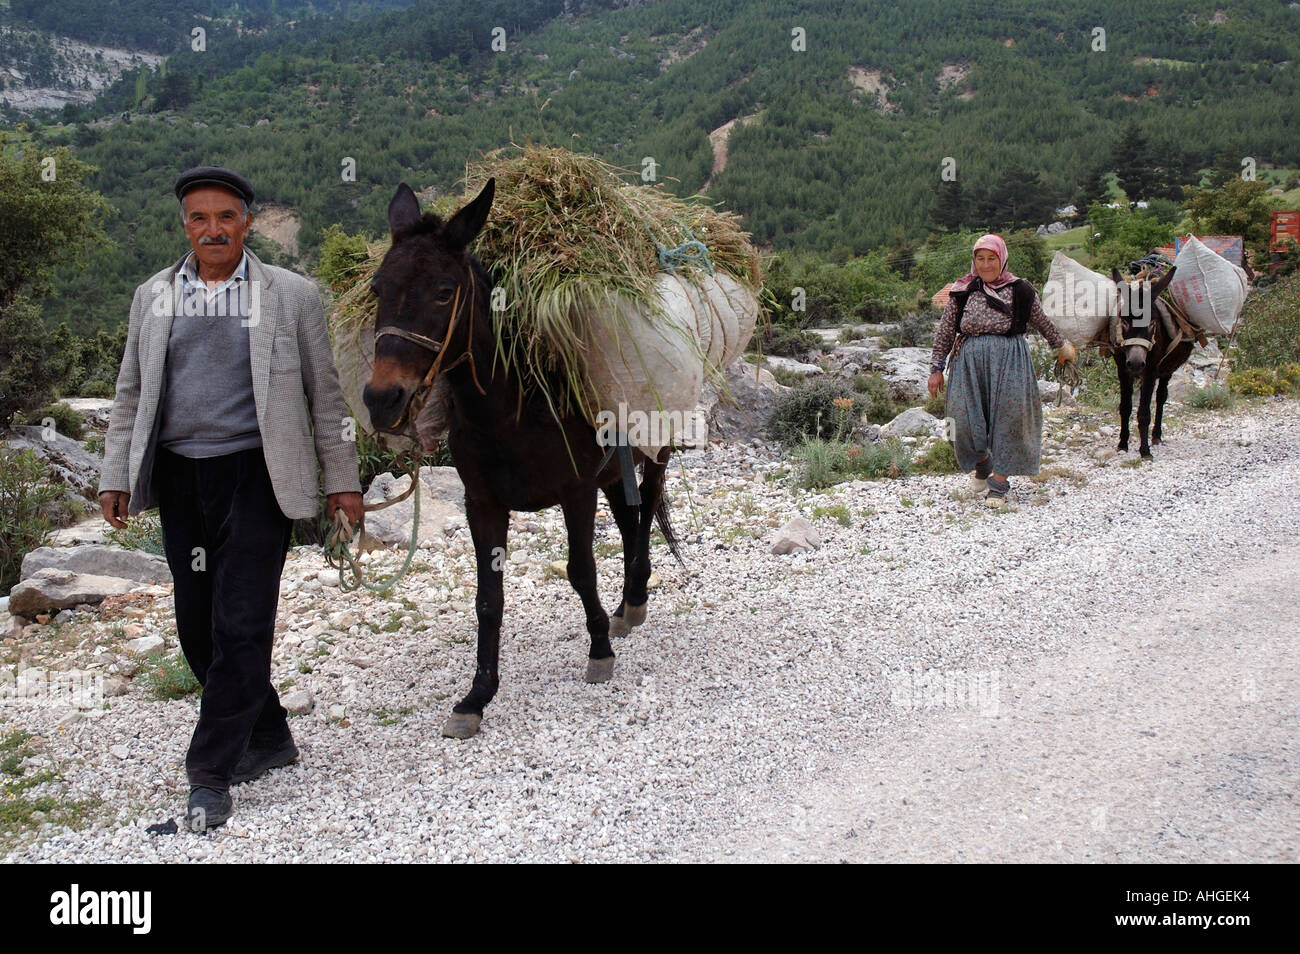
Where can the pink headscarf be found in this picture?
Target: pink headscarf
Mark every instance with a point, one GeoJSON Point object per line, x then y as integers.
{"type": "Point", "coordinates": [994, 244]}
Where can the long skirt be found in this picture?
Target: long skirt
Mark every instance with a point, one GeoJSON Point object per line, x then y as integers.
{"type": "Point", "coordinates": [993, 405]}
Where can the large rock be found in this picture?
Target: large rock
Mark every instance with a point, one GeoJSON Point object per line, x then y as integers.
{"type": "Point", "coordinates": [94, 411]}
{"type": "Point", "coordinates": [91, 530]}
{"type": "Point", "coordinates": [70, 463]}
{"type": "Point", "coordinates": [745, 413]}
{"type": "Point", "coordinates": [907, 371]}
{"type": "Point", "coordinates": [98, 560]}
{"type": "Point", "coordinates": [790, 364]}
{"type": "Point", "coordinates": [797, 534]}
{"type": "Point", "coordinates": [442, 507]}
{"type": "Point", "coordinates": [1048, 390]}
{"type": "Point", "coordinates": [914, 422]}
{"type": "Point", "coordinates": [53, 589]}
{"type": "Point", "coordinates": [1205, 358]}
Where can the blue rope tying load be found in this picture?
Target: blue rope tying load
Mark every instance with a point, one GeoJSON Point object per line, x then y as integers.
{"type": "Point", "coordinates": [690, 252]}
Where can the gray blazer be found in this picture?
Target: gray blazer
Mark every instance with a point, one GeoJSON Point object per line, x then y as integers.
{"type": "Point", "coordinates": [300, 407]}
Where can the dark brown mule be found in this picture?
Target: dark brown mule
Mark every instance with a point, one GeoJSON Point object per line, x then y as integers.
{"type": "Point", "coordinates": [509, 449]}
{"type": "Point", "coordinates": [1146, 345]}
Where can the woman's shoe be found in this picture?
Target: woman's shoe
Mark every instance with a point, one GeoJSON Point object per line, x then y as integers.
{"type": "Point", "coordinates": [997, 495]}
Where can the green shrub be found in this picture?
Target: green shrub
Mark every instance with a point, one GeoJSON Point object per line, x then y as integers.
{"type": "Point", "coordinates": [936, 405]}
{"type": "Point", "coordinates": [916, 330]}
{"type": "Point", "coordinates": [99, 388]}
{"type": "Point", "coordinates": [31, 505]}
{"type": "Point", "coordinates": [95, 444]}
{"type": "Point", "coordinates": [1253, 382]}
{"type": "Point", "coordinates": [1269, 335]}
{"type": "Point", "coordinates": [1210, 397]}
{"type": "Point", "coordinates": [809, 411]}
{"type": "Point", "coordinates": [843, 516]}
{"type": "Point", "coordinates": [1100, 388]}
{"type": "Point", "coordinates": [66, 421]}
{"type": "Point", "coordinates": [790, 342]}
{"type": "Point", "coordinates": [890, 458]}
{"type": "Point", "coordinates": [143, 532]}
{"type": "Point", "coordinates": [875, 398]}
{"type": "Point", "coordinates": [823, 462]}
{"type": "Point", "coordinates": [168, 677]}
{"type": "Point", "coordinates": [939, 459]}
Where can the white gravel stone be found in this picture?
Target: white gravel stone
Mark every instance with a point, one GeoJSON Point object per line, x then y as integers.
{"type": "Point", "coordinates": [750, 671]}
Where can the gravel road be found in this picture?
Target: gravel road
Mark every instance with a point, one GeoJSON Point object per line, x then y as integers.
{"type": "Point", "coordinates": [1106, 674]}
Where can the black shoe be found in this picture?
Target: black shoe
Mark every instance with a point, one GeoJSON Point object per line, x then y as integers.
{"type": "Point", "coordinates": [258, 760]}
{"type": "Point", "coordinates": [208, 808]}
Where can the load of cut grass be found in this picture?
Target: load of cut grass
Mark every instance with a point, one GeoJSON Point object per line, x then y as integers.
{"type": "Point", "coordinates": [566, 237]}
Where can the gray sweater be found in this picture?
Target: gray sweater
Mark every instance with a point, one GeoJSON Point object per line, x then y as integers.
{"type": "Point", "coordinates": [207, 403]}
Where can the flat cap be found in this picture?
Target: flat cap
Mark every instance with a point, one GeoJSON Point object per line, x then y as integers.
{"type": "Point", "coordinates": [214, 176]}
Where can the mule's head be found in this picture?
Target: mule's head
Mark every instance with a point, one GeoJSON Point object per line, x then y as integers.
{"type": "Point", "coordinates": [1136, 319]}
{"type": "Point", "coordinates": [426, 278]}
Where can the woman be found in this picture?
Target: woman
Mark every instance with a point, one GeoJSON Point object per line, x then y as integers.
{"type": "Point", "coordinates": [992, 391]}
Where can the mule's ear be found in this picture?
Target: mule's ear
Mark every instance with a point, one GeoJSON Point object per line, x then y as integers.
{"type": "Point", "coordinates": [1163, 283]}
{"type": "Point", "coordinates": [404, 210]}
{"type": "Point", "coordinates": [1115, 276]}
{"type": "Point", "coordinates": [465, 224]}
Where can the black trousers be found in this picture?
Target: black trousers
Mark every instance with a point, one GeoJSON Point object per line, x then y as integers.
{"type": "Point", "coordinates": [226, 540]}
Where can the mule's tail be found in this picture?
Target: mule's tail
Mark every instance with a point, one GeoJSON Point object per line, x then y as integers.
{"type": "Point", "coordinates": [665, 524]}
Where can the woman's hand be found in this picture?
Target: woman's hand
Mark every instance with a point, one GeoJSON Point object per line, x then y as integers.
{"type": "Point", "coordinates": [1066, 353]}
{"type": "Point", "coordinates": [935, 384]}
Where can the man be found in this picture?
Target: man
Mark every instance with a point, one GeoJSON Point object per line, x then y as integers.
{"type": "Point", "coordinates": [211, 424]}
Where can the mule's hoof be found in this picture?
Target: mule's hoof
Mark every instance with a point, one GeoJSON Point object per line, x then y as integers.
{"type": "Point", "coordinates": [632, 616]}
{"type": "Point", "coordinates": [461, 725]}
{"type": "Point", "coordinates": [1147, 458]}
{"type": "Point", "coordinates": [600, 670]}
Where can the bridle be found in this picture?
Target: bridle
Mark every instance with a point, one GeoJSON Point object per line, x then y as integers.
{"type": "Point", "coordinates": [421, 394]}
{"type": "Point", "coordinates": [1117, 327]}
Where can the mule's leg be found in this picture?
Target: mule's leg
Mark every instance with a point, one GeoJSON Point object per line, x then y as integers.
{"type": "Point", "coordinates": [1162, 392]}
{"type": "Point", "coordinates": [625, 515]}
{"type": "Point", "coordinates": [635, 593]}
{"type": "Point", "coordinates": [488, 524]}
{"type": "Point", "coordinates": [580, 519]}
{"type": "Point", "coordinates": [1125, 399]}
{"type": "Point", "coordinates": [1144, 413]}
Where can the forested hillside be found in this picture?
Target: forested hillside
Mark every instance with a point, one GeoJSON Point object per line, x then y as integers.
{"type": "Point", "coordinates": [848, 112]}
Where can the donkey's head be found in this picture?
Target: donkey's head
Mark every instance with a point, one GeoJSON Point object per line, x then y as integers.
{"type": "Point", "coordinates": [427, 297]}
{"type": "Point", "coordinates": [1133, 329]}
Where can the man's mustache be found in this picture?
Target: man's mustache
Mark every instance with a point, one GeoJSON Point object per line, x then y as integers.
{"type": "Point", "coordinates": [218, 240]}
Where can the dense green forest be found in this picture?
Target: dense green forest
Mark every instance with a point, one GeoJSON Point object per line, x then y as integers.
{"type": "Point", "coordinates": [163, 27]}
{"type": "Point", "coordinates": [855, 110]}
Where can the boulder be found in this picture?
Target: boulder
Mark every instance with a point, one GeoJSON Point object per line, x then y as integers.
{"type": "Point", "coordinates": [797, 534]}
{"type": "Point", "coordinates": [70, 463]}
{"type": "Point", "coordinates": [907, 371]}
{"type": "Point", "coordinates": [1048, 390]}
{"type": "Point", "coordinates": [914, 422]}
{"type": "Point", "coordinates": [53, 589]}
{"type": "Point", "coordinates": [790, 364]}
{"type": "Point", "coordinates": [145, 645]}
{"type": "Point", "coordinates": [94, 411]}
{"type": "Point", "coordinates": [98, 560]}
{"type": "Point", "coordinates": [1205, 358]}
{"type": "Point", "coordinates": [442, 507]}
{"type": "Point", "coordinates": [298, 702]}
{"type": "Point", "coordinates": [91, 530]}
{"type": "Point", "coordinates": [744, 412]}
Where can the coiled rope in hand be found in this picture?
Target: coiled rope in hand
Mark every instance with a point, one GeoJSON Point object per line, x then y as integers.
{"type": "Point", "coordinates": [338, 553]}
